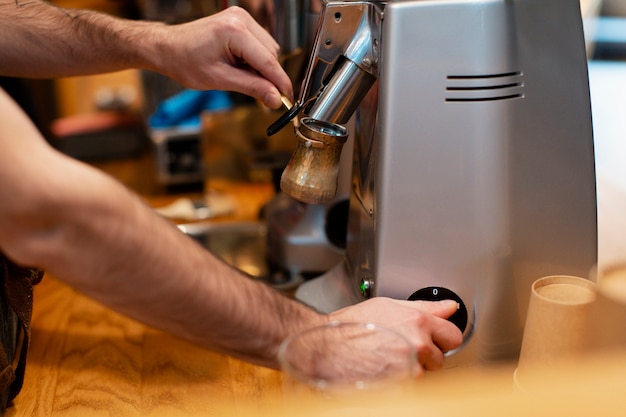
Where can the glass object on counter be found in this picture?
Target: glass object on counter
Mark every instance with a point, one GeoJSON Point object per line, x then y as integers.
{"type": "Point", "coordinates": [339, 361]}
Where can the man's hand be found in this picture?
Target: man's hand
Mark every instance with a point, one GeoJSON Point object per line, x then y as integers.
{"type": "Point", "coordinates": [226, 51]}
{"type": "Point", "coordinates": [422, 322]}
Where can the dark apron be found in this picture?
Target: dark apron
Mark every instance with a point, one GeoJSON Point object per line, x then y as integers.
{"type": "Point", "coordinates": [16, 307]}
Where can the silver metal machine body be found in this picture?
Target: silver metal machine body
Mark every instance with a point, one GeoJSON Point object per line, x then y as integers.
{"type": "Point", "coordinates": [473, 168]}
{"type": "Point", "coordinates": [297, 238]}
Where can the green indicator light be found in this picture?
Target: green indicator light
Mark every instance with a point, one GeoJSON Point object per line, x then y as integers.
{"type": "Point", "coordinates": [365, 287]}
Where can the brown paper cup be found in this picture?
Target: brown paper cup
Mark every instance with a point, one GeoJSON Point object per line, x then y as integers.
{"type": "Point", "coordinates": [557, 326]}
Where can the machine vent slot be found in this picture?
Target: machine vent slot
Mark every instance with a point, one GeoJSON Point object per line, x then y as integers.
{"type": "Point", "coordinates": [484, 87]}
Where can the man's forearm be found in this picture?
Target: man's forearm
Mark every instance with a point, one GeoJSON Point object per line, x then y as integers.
{"type": "Point", "coordinates": [104, 242]}
{"type": "Point", "coordinates": [42, 40]}
{"type": "Point", "coordinates": [94, 234]}
{"type": "Point", "coordinates": [88, 230]}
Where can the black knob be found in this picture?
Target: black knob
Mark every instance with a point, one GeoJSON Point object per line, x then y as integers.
{"type": "Point", "coordinates": [439, 293]}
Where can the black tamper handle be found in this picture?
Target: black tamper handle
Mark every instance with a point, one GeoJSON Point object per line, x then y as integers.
{"type": "Point", "coordinates": [283, 120]}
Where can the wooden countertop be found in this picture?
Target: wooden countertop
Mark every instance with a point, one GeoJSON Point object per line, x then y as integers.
{"type": "Point", "coordinates": [87, 360]}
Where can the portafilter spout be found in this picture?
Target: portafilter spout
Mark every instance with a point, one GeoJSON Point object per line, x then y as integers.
{"type": "Point", "coordinates": [311, 174]}
{"type": "Point", "coordinates": [342, 68]}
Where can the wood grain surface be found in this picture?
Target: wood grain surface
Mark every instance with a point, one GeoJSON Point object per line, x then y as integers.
{"type": "Point", "coordinates": [87, 360]}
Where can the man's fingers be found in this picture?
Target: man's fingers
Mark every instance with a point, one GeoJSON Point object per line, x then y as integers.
{"type": "Point", "coordinates": [445, 335]}
{"type": "Point", "coordinates": [443, 308]}
{"type": "Point", "coordinates": [250, 51]}
{"type": "Point", "coordinates": [429, 356]}
{"type": "Point", "coordinates": [247, 81]}
{"type": "Point", "coordinates": [262, 35]}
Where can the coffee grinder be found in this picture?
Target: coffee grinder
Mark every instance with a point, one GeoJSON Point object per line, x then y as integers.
{"type": "Point", "coordinates": [472, 165]}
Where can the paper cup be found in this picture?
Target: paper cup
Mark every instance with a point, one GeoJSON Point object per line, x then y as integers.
{"type": "Point", "coordinates": [558, 323]}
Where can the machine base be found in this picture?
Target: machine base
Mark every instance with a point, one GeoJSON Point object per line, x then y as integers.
{"type": "Point", "coordinates": [328, 292]}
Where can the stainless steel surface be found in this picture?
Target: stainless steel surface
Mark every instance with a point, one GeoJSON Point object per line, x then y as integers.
{"type": "Point", "coordinates": [343, 93]}
{"type": "Point", "coordinates": [344, 60]}
{"type": "Point", "coordinates": [297, 235]}
{"type": "Point", "coordinates": [242, 246]}
{"type": "Point", "coordinates": [473, 160]}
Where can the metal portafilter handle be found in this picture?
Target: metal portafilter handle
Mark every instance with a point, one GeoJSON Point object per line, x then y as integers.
{"type": "Point", "coordinates": [311, 174]}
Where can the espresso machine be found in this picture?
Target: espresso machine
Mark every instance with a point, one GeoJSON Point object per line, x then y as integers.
{"type": "Point", "coordinates": [472, 168]}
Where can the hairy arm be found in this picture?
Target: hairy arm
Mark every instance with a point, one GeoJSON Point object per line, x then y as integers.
{"type": "Point", "coordinates": [42, 40]}
{"type": "Point", "coordinates": [70, 219]}
{"type": "Point", "coordinates": [89, 231]}
{"type": "Point", "coordinates": [227, 51]}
